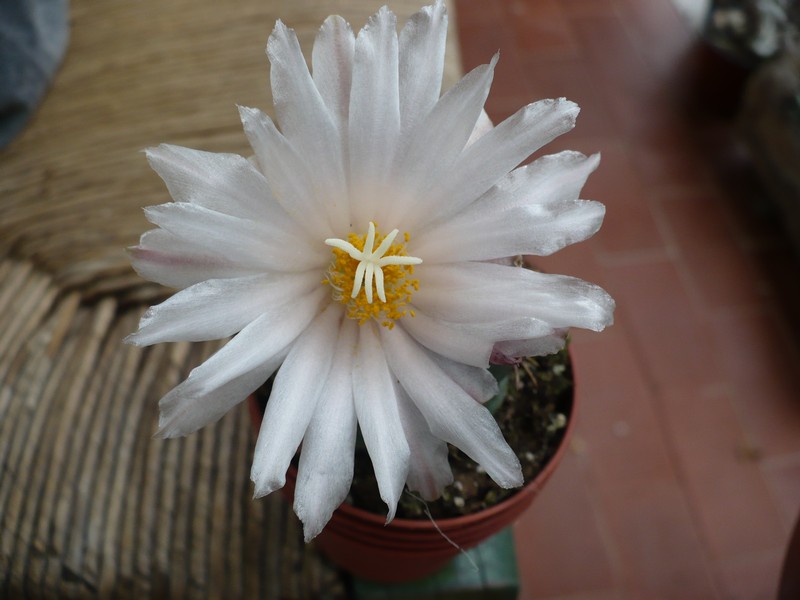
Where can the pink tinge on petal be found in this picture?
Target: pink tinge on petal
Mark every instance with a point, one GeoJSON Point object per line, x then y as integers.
{"type": "Point", "coordinates": [500, 358]}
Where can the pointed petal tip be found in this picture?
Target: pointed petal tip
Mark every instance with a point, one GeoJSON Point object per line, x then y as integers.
{"type": "Point", "coordinates": [390, 515]}
{"type": "Point", "coordinates": [132, 339]}
{"type": "Point", "coordinates": [280, 33]}
{"type": "Point", "coordinates": [267, 487]}
{"type": "Point", "coordinates": [164, 431]}
{"type": "Point", "coordinates": [309, 533]}
{"type": "Point", "coordinates": [512, 479]}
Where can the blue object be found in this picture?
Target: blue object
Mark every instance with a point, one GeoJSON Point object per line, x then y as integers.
{"type": "Point", "coordinates": [33, 39]}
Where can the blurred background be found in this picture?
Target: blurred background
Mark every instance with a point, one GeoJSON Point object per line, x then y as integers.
{"type": "Point", "coordinates": [683, 477]}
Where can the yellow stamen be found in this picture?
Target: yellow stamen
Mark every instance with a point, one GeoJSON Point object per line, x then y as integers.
{"type": "Point", "coordinates": [362, 261]}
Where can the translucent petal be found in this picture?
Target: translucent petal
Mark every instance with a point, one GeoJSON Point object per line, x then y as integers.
{"type": "Point", "coordinates": [237, 369]}
{"type": "Point", "coordinates": [218, 308]}
{"type": "Point", "coordinates": [532, 347]}
{"type": "Point", "coordinates": [326, 460]}
{"type": "Point", "coordinates": [534, 209]}
{"type": "Point", "coordinates": [429, 470]}
{"type": "Point", "coordinates": [288, 172]}
{"type": "Point", "coordinates": [374, 122]}
{"type": "Point", "coordinates": [379, 417]}
{"type": "Point", "coordinates": [497, 152]}
{"type": "Point", "coordinates": [452, 414]}
{"type": "Point", "coordinates": [448, 339]}
{"type": "Point", "coordinates": [432, 148]}
{"type": "Point", "coordinates": [246, 243]}
{"type": "Point", "coordinates": [482, 127]}
{"type": "Point", "coordinates": [484, 292]}
{"type": "Point", "coordinates": [476, 381]}
{"type": "Point", "coordinates": [169, 260]}
{"type": "Point", "coordinates": [332, 60]}
{"type": "Point", "coordinates": [549, 180]}
{"type": "Point", "coordinates": [293, 400]}
{"type": "Point", "coordinates": [226, 183]}
{"type": "Point", "coordinates": [537, 229]}
{"type": "Point", "coordinates": [421, 64]}
{"type": "Point", "coordinates": [307, 123]}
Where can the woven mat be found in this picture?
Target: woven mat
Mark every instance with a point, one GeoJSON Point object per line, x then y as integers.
{"type": "Point", "coordinates": [91, 505]}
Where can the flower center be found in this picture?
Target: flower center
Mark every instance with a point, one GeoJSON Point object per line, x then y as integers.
{"type": "Point", "coordinates": [358, 265]}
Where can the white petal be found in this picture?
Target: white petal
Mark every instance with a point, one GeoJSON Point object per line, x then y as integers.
{"type": "Point", "coordinates": [476, 381]}
{"type": "Point", "coordinates": [482, 127]}
{"type": "Point", "coordinates": [246, 243]}
{"type": "Point", "coordinates": [307, 123]}
{"type": "Point", "coordinates": [332, 60]}
{"type": "Point", "coordinates": [535, 209]}
{"type": "Point", "coordinates": [294, 397]}
{"type": "Point", "coordinates": [448, 339]}
{"type": "Point", "coordinates": [326, 459]}
{"type": "Point", "coordinates": [452, 414]}
{"type": "Point", "coordinates": [486, 235]}
{"type": "Point", "coordinates": [288, 173]}
{"type": "Point", "coordinates": [169, 260]}
{"type": "Point", "coordinates": [497, 152]}
{"type": "Point", "coordinates": [379, 417]}
{"type": "Point", "coordinates": [374, 122]}
{"type": "Point", "coordinates": [434, 145]}
{"type": "Point", "coordinates": [429, 470]}
{"type": "Point", "coordinates": [237, 369]}
{"type": "Point", "coordinates": [549, 180]}
{"type": "Point", "coordinates": [469, 341]}
{"type": "Point", "coordinates": [422, 46]}
{"type": "Point", "coordinates": [484, 292]}
{"type": "Point", "coordinates": [226, 183]}
{"type": "Point", "coordinates": [532, 347]}
{"type": "Point", "coordinates": [218, 308]}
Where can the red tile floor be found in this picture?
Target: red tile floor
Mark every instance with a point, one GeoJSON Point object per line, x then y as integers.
{"type": "Point", "coordinates": [683, 479]}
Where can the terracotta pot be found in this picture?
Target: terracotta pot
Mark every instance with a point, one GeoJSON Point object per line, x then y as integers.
{"type": "Point", "coordinates": [407, 549]}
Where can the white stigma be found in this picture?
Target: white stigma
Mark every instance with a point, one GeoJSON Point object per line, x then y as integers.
{"type": "Point", "coordinates": [371, 262]}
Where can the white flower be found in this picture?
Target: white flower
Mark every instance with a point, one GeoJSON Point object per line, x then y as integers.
{"type": "Point", "coordinates": [389, 332]}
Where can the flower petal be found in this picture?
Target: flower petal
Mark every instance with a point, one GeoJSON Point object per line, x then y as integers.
{"type": "Point", "coordinates": [421, 64]}
{"type": "Point", "coordinates": [169, 260]}
{"type": "Point", "coordinates": [332, 60]}
{"type": "Point", "coordinates": [291, 404]}
{"type": "Point", "coordinates": [374, 122]}
{"type": "Point", "coordinates": [533, 210]}
{"type": "Point", "coordinates": [538, 346]}
{"type": "Point", "coordinates": [226, 183]}
{"type": "Point", "coordinates": [308, 124]}
{"type": "Point", "coordinates": [247, 243]}
{"type": "Point", "coordinates": [429, 469]}
{"type": "Point", "coordinates": [497, 152]}
{"type": "Point", "coordinates": [326, 460]}
{"type": "Point", "coordinates": [452, 414]}
{"type": "Point", "coordinates": [288, 173]}
{"type": "Point", "coordinates": [432, 148]}
{"type": "Point", "coordinates": [448, 339]}
{"type": "Point", "coordinates": [237, 369]}
{"type": "Point", "coordinates": [218, 308]}
{"type": "Point", "coordinates": [486, 235]}
{"type": "Point", "coordinates": [482, 127]}
{"type": "Point", "coordinates": [547, 181]}
{"type": "Point", "coordinates": [485, 292]}
{"type": "Point", "coordinates": [476, 381]}
{"type": "Point", "coordinates": [379, 417]}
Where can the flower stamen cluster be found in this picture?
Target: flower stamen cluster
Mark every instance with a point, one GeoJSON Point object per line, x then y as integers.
{"type": "Point", "coordinates": [358, 264]}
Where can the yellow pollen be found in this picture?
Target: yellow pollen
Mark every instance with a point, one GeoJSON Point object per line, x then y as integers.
{"type": "Point", "coordinates": [364, 261]}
